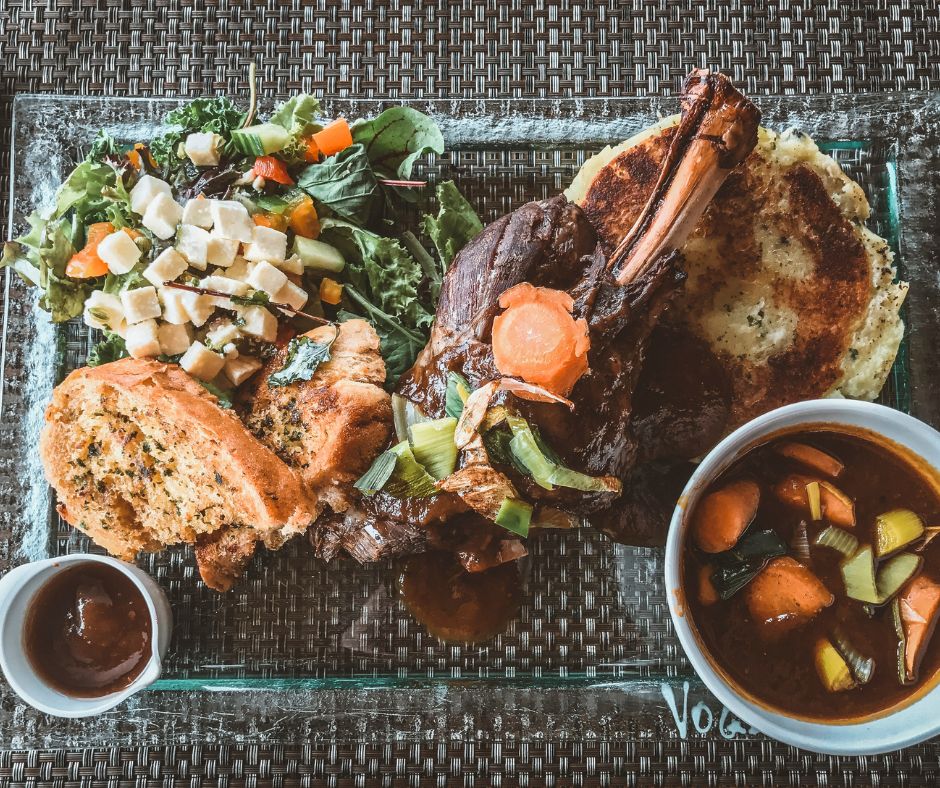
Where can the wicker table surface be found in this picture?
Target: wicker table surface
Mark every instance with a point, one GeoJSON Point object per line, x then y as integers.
{"type": "Point", "coordinates": [471, 48]}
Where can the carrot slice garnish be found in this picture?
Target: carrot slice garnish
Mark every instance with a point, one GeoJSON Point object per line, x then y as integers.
{"type": "Point", "coordinates": [723, 515]}
{"type": "Point", "coordinates": [86, 263]}
{"type": "Point", "coordinates": [272, 169]}
{"type": "Point", "coordinates": [303, 219]}
{"type": "Point", "coordinates": [311, 150]}
{"type": "Point", "coordinates": [331, 291]}
{"type": "Point", "coordinates": [335, 137]}
{"type": "Point", "coordinates": [537, 338]}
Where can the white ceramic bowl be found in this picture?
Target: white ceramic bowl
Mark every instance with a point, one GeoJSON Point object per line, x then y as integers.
{"type": "Point", "coordinates": [17, 588]}
{"type": "Point", "coordinates": [908, 723]}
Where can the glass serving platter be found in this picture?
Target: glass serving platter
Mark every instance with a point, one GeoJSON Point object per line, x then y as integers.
{"type": "Point", "coordinates": [303, 648]}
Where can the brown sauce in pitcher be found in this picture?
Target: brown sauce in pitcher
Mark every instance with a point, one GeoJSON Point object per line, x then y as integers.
{"type": "Point", "coordinates": [88, 631]}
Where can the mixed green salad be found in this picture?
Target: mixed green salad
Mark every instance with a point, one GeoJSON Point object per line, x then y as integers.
{"type": "Point", "coordinates": [223, 235]}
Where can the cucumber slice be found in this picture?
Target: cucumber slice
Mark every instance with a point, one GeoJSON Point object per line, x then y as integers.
{"type": "Point", "coordinates": [858, 574]}
{"type": "Point", "coordinates": [514, 515]}
{"type": "Point", "coordinates": [896, 529]}
{"type": "Point", "coordinates": [838, 539]}
{"type": "Point", "coordinates": [261, 139]}
{"type": "Point", "coordinates": [895, 573]}
{"type": "Point", "coordinates": [318, 256]}
{"type": "Point", "coordinates": [432, 443]}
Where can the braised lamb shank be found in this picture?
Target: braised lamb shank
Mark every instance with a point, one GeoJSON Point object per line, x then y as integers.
{"type": "Point", "coordinates": [551, 244]}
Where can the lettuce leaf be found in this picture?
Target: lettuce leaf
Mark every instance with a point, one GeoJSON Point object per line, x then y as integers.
{"type": "Point", "coordinates": [216, 114]}
{"type": "Point", "coordinates": [297, 114]}
{"type": "Point", "coordinates": [397, 138]}
{"type": "Point", "coordinates": [455, 224]}
{"type": "Point", "coordinates": [109, 349]}
{"type": "Point", "coordinates": [382, 270]}
{"type": "Point", "coordinates": [346, 185]}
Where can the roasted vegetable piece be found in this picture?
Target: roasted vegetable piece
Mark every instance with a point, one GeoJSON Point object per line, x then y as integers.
{"type": "Point", "coordinates": [812, 458]}
{"type": "Point", "coordinates": [896, 529]}
{"type": "Point", "coordinates": [837, 507]}
{"type": "Point", "coordinates": [723, 515]}
{"type": "Point", "coordinates": [786, 594]}
{"type": "Point", "coordinates": [833, 670]}
{"type": "Point", "coordinates": [918, 606]}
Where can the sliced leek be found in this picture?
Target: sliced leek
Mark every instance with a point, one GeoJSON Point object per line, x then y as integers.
{"type": "Point", "coordinates": [838, 539]}
{"type": "Point", "coordinates": [862, 667]}
{"type": "Point", "coordinates": [397, 472]}
{"type": "Point", "coordinates": [833, 670]}
{"type": "Point", "coordinates": [895, 573]}
{"type": "Point", "coordinates": [896, 529]}
{"type": "Point", "coordinates": [815, 501]}
{"type": "Point", "coordinates": [514, 515]}
{"type": "Point", "coordinates": [404, 414]}
{"type": "Point", "coordinates": [858, 574]}
{"type": "Point", "coordinates": [527, 453]}
{"type": "Point", "coordinates": [458, 390]}
{"type": "Point", "coordinates": [432, 443]}
{"type": "Point", "coordinates": [903, 676]}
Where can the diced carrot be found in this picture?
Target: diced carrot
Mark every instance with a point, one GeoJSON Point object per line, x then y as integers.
{"type": "Point", "coordinates": [837, 507]}
{"type": "Point", "coordinates": [86, 263]}
{"type": "Point", "coordinates": [335, 137]}
{"type": "Point", "coordinates": [273, 220]}
{"type": "Point", "coordinates": [134, 157]}
{"type": "Point", "coordinates": [303, 219]}
{"type": "Point", "coordinates": [537, 339]}
{"type": "Point", "coordinates": [331, 291]}
{"type": "Point", "coordinates": [311, 151]}
{"type": "Point", "coordinates": [919, 604]}
{"type": "Point", "coordinates": [811, 457]}
{"type": "Point", "coordinates": [786, 594]}
{"type": "Point", "coordinates": [722, 516]}
{"type": "Point", "coordinates": [272, 169]}
{"type": "Point", "coordinates": [707, 594]}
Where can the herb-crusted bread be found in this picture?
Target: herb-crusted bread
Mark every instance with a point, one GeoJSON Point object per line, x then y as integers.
{"type": "Point", "coordinates": [141, 457]}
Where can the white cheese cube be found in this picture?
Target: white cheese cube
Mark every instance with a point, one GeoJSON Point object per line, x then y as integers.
{"type": "Point", "coordinates": [162, 215]}
{"type": "Point", "coordinates": [230, 351]}
{"type": "Point", "coordinates": [292, 265]}
{"type": "Point", "coordinates": [198, 212]}
{"type": "Point", "coordinates": [168, 265]}
{"type": "Point", "coordinates": [267, 244]}
{"type": "Point", "coordinates": [260, 323]}
{"type": "Point", "coordinates": [103, 310]}
{"type": "Point", "coordinates": [230, 219]}
{"type": "Point", "coordinates": [203, 148]}
{"type": "Point", "coordinates": [142, 339]}
{"type": "Point", "coordinates": [174, 305]}
{"type": "Point", "coordinates": [202, 363]}
{"type": "Point", "coordinates": [265, 276]}
{"type": "Point", "coordinates": [238, 370]}
{"type": "Point", "coordinates": [221, 251]}
{"type": "Point", "coordinates": [145, 190]}
{"type": "Point", "coordinates": [224, 285]}
{"type": "Point", "coordinates": [140, 304]}
{"type": "Point", "coordinates": [174, 339]}
{"type": "Point", "coordinates": [239, 269]}
{"type": "Point", "coordinates": [193, 243]}
{"type": "Point", "coordinates": [119, 251]}
{"type": "Point", "coordinates": [292, 295]}
{"type": "Point", "coordinates": [198, 307]}
{"type": "Point", "coordinates": [221, 333]}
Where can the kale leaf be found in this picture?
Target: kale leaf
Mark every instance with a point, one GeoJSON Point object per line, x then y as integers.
{"type": "Point", "coordinates": [346, 184]}
{"type": "Point", "coordinates": [212, 114]}
{"type": "Point", "coordinates": [455, 224]}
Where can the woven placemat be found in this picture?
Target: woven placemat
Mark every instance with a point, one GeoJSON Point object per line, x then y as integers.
{"type": "Point", "coordinates": [486, 48]}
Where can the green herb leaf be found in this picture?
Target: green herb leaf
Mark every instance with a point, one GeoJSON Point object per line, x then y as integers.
{"type": "Point", "coordinates": [297, 115]}
{"type": "Point", "coordinates": [346, 185]}
{"type": "Point", "coordinates": [303, 357]}
{"type": "Point", "coordinates": [455, 224]}
{"type": "Point", "coordinates": [257, 298]}
{"type": "Point", "coordinates": [109, 349]}
{"type": "Point", "coordinates": [397, 138]}
{"type": "Point", "coordinates": [224, 396]}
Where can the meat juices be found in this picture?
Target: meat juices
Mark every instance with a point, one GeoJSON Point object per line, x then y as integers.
{"type": "Point", "coordinates": [88, 631]}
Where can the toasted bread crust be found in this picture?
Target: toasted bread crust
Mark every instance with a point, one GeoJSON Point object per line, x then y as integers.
{"type": "Point", "coordinates": [141, 456]}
